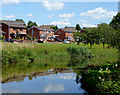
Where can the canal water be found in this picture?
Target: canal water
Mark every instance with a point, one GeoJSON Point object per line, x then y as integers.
{"type": "Point", "coordinates": [50, 81]}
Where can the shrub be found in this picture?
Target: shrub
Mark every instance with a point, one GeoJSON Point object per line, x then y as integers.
{"type": "Point", "coordinates": [79, 53]}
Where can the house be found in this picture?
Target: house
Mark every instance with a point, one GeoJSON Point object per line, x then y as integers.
{"type": "Point", "coordinates": [44, 32]}
{"type": "Point", "coordinates": [14, 29]}
{"type": "Point", "coordinates": [65, 33]}
{"type": "Point", "coordinates": [2, 33]}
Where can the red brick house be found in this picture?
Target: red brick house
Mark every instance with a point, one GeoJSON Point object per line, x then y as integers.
{"type": "Point", "coordinates": [65, 33]}
{"type": "Point", "coordinates": [44, 32]}
{"type": "Point", "coordinates": [13, 28]}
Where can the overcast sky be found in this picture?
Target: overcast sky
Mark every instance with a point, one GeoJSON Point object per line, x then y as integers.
{"type": "Point", "coordinates": [87, 14]}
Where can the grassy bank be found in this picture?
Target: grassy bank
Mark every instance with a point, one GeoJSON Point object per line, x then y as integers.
{"type": "Point", "coordinates": [14, 52]}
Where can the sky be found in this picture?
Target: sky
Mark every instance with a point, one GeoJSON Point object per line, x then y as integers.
{"type": "Point", "coordinates": [87, 14]}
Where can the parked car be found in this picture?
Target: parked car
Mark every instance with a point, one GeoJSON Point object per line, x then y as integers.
{"type": "Point", "coordinates": [66, 42]}
{"type": "Point", "coordinates": [40, 41]}
{"type": "Point", "coordinates": [9, 40]}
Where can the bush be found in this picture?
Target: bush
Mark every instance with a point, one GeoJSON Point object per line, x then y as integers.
{"type": "Point", "coordinates": [79, 53]}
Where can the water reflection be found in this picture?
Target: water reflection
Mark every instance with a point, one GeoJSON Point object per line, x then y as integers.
{"type": "Point", "coordinates": [44, 82]}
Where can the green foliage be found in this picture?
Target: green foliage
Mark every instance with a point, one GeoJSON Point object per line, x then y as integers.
{"type": "Point", "coordinates": [79, 53]}
{"type": "Point", "coordinates": [115, 23]}
{"type": "Point", "coordinates": [106, 32]}
{"type": "Point", "coordinates": [101, 79]}
{"type": "Point", "coordinates": [2, 38]}
{"type": "Point", "coordinates": [30, 24]}
{"type": "Point", "coordinates": [54, 27]}
{"type": "Point", "coordinates": [92, 36]}
{"type": "Point", "coordinates": [78, 27]}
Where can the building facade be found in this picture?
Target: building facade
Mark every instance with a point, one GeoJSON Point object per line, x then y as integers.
{"type": "Point", "coordinates": [14, 29]}
{"type": "Point", "coordinates": [44, 32]}
{"type": "Point", "coordinates": [65, 34]}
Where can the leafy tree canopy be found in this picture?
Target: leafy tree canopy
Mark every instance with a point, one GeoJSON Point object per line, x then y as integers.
{"type": "Point", "coordinates": [54, 27]}
{"type": "Point", "coordinates": [78, 27]}
{"type": "Point", "coordinates": [115, 23]}
{"type": "Point", "coordinates": [30, 24]}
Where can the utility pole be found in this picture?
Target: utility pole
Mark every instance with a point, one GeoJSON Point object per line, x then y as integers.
{"type": "Point", "coordinates": [32, 34]}
{"type": "Point", "coordinates": [8, 33]}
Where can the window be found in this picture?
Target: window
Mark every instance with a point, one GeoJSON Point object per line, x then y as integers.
{"type": "Point", "coordinates": [50, 31]}
{"type": "Point", "coordinates": [70, 38]}
{"type": "Point", "coordinates": [59, 32]}
{"type": "Point", "coordinates": [43, 31]}
{"type": "Point", "coordinates": [21, 29]}
{"type": "Point", "coordinates": [14, 28]}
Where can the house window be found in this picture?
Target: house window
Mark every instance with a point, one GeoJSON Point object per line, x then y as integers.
{"type": "Point", "coordinates": [43, 31]}
{"type": "Point", "coordinates": [14, 28]}
{"type": "Point", "coordinates": [50, 31]}
{"type": "Point", "coordinates": [70, 38]}
{"type": "Point", "coordinates": [67, 38]}
{"type": "Point", "coordinates": [21, 29]}
{"type": "Point", "coordinates": [59, 32]}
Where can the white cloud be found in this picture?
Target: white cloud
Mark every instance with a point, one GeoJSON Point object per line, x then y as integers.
{"type": "Point", "coordinates": [50, 16]}
{"type": "Point", "coordinates": [29, 15]}
{"type": "Point", "coordinates": [9, 16]}
{"type": "Point", "coordinates": [0, 18]}
{"type": "Point", "coordinates": [68, 15]}
{"type": "Point", "coordinates": [88, 25]}
{"type": "Point", "coordinates": [6, 2]}
{"type": "Point", "coordinates": [99, 13]}
{"type": "Point", "coordinates": [81, 21]}
{"type": "Point", "coordinates": [50, 6]}
{"type": "Point", "coordinates": [53, 87]}
{"type": "Point", "coordinates": [68, 76]}
{"type": "Point", "coordinates": [60, 23]}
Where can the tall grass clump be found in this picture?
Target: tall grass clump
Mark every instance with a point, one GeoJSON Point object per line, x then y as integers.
{"type": "Point", "coordinates": [79, 53]}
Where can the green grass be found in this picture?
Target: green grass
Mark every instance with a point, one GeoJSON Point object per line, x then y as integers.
{"type": "Point", "coordinates": [15, 52]}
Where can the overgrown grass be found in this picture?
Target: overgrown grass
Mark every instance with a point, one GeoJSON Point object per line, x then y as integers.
{"type": "Point", "coordinates": [31, 52]}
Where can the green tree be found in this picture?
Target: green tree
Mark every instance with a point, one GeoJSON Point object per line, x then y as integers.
{"type": "Point", "coordinates": [91, 36]}
{"type": "Point", "coordinates": [106, 31]}
{"type": "Point", "coordinates": [78, 27]}
{"type": "Point", "coordinates": [30, 24]}
{"type": "Point", "coordinates": [115, 23]}
{"type": "Point", "coordinates": [54, 27]}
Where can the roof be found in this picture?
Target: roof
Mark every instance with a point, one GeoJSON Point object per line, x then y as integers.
{"type": "Point", "coordinates": [14, 23]}
{"type": "Point", "coordinates": [69, 29]}
{"type": "Point", "coordinates": [45, 27]}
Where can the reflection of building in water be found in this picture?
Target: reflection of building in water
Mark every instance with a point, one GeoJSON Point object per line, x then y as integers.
{"type": "Point", "coordinates": [119, 6]}
{"type": "Point", "coordinates": [36, 74]}
{"type": "Point", "coordinates": [14, 78]}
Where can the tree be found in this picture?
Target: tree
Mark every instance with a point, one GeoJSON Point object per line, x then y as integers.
{"type": "Point", "coordinates": [115, 23]}
{"type": "Point", "coordinates": [30, 24]}
{"type": "Point", "coordinates": [105, 30]}
{"type": "Point", "coordinates": [115, 38]}
{"type": "Point", "coordinates": [91, 36]}
{"type": "Point", "coordinates": [78, 27]}
{"type": "Point", "coordinates": [54, 27]}
{"type": "Point", "coordinates": [77, 36]}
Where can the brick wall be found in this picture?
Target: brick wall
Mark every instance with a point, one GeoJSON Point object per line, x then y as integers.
{"type": "Point", "coordinates": [36, 32]}
{"type": "Point", "coordinates": [5, 29]}
{"type": "Point", "coordinates": [61, 34]}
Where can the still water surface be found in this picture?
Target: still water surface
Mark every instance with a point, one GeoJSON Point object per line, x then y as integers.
{"type": "Point", "coordinates": [44, 82]}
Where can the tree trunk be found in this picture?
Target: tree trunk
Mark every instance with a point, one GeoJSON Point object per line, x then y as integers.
{"type": "Point", "coordinates": [103, 45]}
{"type": "Point", "coordinates": [90, 45]}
